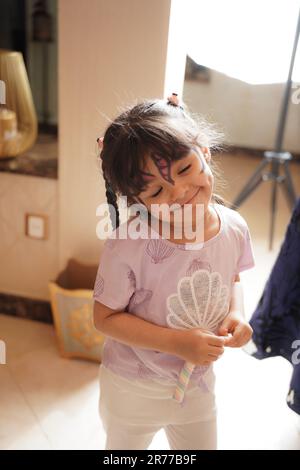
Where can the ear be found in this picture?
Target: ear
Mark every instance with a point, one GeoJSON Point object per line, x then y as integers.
{"type": "Point", "coordinates": [206, 153]}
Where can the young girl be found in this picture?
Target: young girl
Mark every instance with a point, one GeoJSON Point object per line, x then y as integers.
{"type": "Point", "coordinates": [156, 153]}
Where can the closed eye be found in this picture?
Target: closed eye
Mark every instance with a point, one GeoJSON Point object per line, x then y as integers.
{"type": "Point", "coordinates": [156, 194]}
{"type": "Point", "coordinates": [182, 171]}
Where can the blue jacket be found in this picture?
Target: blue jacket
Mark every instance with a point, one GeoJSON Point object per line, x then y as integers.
{"type": "Point", "coordinates": [276, 320]}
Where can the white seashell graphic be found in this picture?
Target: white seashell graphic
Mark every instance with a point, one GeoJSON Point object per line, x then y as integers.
{"type": "Point", "coordinates": [202, 301]}
{"type": "Point", "coordinates": [158, 250]}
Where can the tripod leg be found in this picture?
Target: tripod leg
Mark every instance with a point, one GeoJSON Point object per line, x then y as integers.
{"type": "Point", "coordinates": [252, 183]}
{"type": "Point", "coordinates": [275, 168]}
{"type": "Point", "coordinates": [288, 187]}
{"type": "Point", "coordinates": [249, 189]}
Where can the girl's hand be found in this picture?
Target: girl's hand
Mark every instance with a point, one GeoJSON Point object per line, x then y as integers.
{"type": "Point", "coordinates": [240, 329]}
{"type": "Point", "coordinates": [198, 346]}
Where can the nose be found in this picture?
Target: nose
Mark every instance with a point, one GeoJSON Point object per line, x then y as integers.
{"type": "Point", "coordinates": [179, 193]}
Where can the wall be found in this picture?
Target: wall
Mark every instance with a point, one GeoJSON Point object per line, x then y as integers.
{"type": "Point", "coordinates": [247, 113]}
{"type": "Point", "coordinates": [27, 264]}
{"type": "Point", "coordinates": [110, 54]}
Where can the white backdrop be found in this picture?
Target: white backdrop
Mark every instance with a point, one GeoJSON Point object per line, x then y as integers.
{"type": "Point", "coordinates": [250, 40]}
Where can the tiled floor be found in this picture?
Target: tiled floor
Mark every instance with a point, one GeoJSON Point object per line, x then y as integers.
{"type": "Point", "coordinates": [47, 402]}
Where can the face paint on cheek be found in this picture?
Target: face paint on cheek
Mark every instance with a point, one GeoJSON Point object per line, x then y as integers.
{"type": "Point", "coordinates": [146, 176]}
{"type": "Point", "coordinates": [163, 166]}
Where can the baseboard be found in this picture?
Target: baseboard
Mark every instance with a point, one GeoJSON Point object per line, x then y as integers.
{"type": "Point", "coordinates": [253, 151]}
{"type": "Point", "coordinates": [23, 307]}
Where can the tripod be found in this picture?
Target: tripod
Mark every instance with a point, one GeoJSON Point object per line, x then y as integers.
{"type": "Point", "coordinates": [276, 158]}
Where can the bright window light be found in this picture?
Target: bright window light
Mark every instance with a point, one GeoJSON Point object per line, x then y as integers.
{"type": "Point", "coordinates": [250, 40]}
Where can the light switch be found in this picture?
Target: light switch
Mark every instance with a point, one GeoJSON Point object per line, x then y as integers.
{"type": "Point", "coordinates": [36, 226]}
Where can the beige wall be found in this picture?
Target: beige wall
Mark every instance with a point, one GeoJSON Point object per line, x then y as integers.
{"type": "Point", "coordinates": [27, 264]}
{"type": "Point", "coordinates": [247, 113]}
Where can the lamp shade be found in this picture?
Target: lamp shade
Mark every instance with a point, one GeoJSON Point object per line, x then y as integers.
{"type": "Point", "coordinates": [18, 120]}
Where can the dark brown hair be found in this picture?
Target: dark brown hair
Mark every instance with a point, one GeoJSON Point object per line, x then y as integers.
{"type": "Point", "coordinates": [150, 126]}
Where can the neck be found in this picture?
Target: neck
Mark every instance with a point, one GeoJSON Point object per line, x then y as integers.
{"type": "Point", "coordinates": [208, 218]}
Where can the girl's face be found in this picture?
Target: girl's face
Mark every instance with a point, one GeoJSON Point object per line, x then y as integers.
{"type": "Point", "coordinates": [185, 181]}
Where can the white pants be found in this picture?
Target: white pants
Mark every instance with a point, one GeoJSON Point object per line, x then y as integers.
{"type": "Point", "coordinates": [133, 411]}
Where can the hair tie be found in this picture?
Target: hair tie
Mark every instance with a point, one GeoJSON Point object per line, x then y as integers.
{"type": "Point", "coordinates": [100, 144]}
{"type": "Point", "coordinates": [174, 101]}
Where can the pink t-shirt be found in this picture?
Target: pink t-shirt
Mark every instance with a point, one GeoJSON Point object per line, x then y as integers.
{"type": "Point", "coordinates": [141, 276]}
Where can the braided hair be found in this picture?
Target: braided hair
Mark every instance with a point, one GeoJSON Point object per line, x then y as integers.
{"type": "Point", "coordinates": [111, 198]}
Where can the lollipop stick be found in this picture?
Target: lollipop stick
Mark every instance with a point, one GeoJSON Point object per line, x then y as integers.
{"type": "Point", "coordinates": [183, 381]}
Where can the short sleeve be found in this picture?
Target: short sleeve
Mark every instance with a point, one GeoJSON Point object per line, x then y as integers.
{"type": "Point", "coordinates": [115, 280]}
{"type": "Point", "coordinates": [246, 258]}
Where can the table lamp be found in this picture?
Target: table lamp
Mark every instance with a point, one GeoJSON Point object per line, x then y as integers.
{"type": "Point", "coordinates": [18, 121]}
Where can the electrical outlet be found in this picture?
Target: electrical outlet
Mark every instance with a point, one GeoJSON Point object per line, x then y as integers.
{"type": "Point", "coordinates": [36, 226]}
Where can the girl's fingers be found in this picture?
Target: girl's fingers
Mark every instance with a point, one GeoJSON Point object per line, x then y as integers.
{"type": "Point", "coordinates": [207, 332]}
{"type": "Point", "coordinates": [213, 357]}
{"type": "Point", "coordinates": [216, 341]}
{"type": "Point", "coordinates": [238, 338]}
{"type": "Point", "coordinates": [215, 351]}
{"type": "Point", "coordinates": [212, 354]}
{"type": "Point", "coordinates": [231, 342]}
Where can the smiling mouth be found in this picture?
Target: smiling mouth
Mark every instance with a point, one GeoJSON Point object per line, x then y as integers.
{"type": "Point", "coordinates": [192, 196]}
